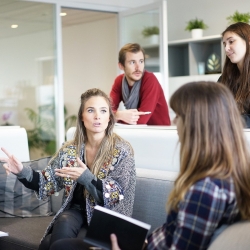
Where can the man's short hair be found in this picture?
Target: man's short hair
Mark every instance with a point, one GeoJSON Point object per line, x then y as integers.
{"type": "Point", "coordinates": [129, 47]}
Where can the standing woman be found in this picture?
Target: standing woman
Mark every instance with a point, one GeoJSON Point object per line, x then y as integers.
{"type": "Point", "coordinates": [96, 168]}
{"type": "Point", "coordinates": [236, 71]}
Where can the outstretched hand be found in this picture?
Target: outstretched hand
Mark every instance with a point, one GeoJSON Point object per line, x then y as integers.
{"type": "Point", "coordinates": [12, 164]}
{"type": "Point", "coordinates": [74, 172]}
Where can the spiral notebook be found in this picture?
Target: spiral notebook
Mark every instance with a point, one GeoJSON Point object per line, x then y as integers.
{"type": "Point", "coordinates": [131, 233]}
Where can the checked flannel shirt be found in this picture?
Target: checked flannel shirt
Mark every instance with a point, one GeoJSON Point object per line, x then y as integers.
{"type": "Point", "coordinates": [207, 205]}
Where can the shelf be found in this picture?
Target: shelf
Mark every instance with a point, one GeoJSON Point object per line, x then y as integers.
{"type": "Point", "coordinates": [191, 40]}
{"type": "Point", "coordinates": [184, 55]}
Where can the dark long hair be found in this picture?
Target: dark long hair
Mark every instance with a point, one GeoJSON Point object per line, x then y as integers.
{"type": "Point", "coordinates": [239, 83]}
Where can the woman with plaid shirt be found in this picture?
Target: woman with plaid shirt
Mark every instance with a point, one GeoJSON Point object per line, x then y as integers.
{"type": "Point", "coordinates": [212, 190]}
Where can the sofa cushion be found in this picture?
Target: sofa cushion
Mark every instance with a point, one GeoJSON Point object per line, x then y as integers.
{"type": "Point", "coordinates": [18, 201]}
{"type": "Point", "coordinates": [234, 237]}
{"type": "Point", "coordinates": [151, 193]}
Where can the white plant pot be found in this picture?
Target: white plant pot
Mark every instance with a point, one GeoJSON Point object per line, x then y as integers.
{"type": "Point", "coordinates": [196, 33]}
{"type": "Point", "coordinates": [154, 39]}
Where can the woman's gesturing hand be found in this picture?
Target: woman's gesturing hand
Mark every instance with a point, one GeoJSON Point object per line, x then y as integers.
{"type": "Point", "coordinates": [12, 164]}
{"type": "Point", "coordinates": [72, 172]}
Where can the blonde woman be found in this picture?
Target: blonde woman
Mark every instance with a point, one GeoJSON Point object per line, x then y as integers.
{"type": "Point", "coordinates": [97, 167]}
{"type": "Point", "coordinates": [212, 189]}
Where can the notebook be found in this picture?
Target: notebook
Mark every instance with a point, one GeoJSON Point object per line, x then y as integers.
{"type": "Point", "coordinates": [131, 233]}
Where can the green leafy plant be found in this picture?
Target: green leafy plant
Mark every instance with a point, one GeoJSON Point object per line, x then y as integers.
{"type": "Point", "coordinates": [149, 31]}
{"type": "Point", "coordinates": [42, 136]}
{"type": "Point", "coordinates": [196, 24]}
{"type": "Point", "coordinates": [70, 121]}
{"type": "Point", "coordinates": [239, 17]}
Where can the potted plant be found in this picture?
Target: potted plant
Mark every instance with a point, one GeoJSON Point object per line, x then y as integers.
{"type": "Point", "coordinates": [239, 17]}
{"type": "Point", "coordinates": [42, 136]}
{"type": "Point", "coordinates": [196, 26]}
{"type": "Point", "coordinates": [152, 34]}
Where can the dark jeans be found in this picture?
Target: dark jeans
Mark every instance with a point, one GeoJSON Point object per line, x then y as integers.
{"type": "Point", "coordinates": [70, 224]}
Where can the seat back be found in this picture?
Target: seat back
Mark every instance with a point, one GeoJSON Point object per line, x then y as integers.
{"type": "Point", "coordinates": [234, 237]}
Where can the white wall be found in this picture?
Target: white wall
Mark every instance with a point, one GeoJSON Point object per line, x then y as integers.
{"type": "Point", "coordinates": [89, 59]}
{"type": "Point", "coordinates": [213, 13]}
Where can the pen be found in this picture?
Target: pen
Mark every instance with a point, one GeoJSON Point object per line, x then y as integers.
{"type": "Point", "coordinates": [146, 113]}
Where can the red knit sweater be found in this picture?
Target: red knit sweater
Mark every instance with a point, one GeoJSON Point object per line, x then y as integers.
{"type": "Point", "coordinates": [151, 99]}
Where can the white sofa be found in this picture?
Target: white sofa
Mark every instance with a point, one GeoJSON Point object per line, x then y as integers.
{"type": "Point", "coordinates": [149, 206]}
{"type": "Point", "coordinates": [155, 147]}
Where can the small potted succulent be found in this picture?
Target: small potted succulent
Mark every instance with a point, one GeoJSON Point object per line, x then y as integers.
{"type": "Point", "coordinates": [196, 27]}
{"type": "Point", "coordinates": [239, 17]}
{"type": "Point", "coordinates": [152, 34]}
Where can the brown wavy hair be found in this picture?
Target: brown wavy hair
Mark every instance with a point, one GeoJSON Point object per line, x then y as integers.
{"type": "Point", "coordinates": [212, 141]}
{"type": "Point", "coordinates": [239, 83]}
{"type": "Point", "coordinates": [129, 47]}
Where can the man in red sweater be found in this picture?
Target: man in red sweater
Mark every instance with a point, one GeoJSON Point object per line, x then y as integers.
{"type": "Point", "coordinates": [140, 90]}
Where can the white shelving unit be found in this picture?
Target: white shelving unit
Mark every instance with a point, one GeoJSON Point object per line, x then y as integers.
{"type": "Point", "coordinates": [184, 56]}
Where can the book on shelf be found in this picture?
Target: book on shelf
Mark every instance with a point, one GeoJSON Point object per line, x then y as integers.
{"type": "Point", "coordinates": [131, 233]}
{"type": "Point", "coordinates": [3, 234]}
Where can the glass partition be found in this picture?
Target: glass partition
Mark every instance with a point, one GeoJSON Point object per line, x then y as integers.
{"type": "Point", "coordinates": [27, 72]}
{"type": "Point", "coordinates": [143, 28]}
{"type": "Point", "coordinates": [147, 25]}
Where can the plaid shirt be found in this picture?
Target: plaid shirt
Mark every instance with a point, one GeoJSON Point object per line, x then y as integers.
{"type": "Point", "coordinates": [207, 205]}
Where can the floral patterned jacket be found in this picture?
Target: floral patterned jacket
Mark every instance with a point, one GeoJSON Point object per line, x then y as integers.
{"type": "Point", "coordinates": [118, 177]}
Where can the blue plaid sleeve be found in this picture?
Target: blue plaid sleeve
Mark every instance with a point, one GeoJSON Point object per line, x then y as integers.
{"type": "Point", "coordinates": [199, 214]}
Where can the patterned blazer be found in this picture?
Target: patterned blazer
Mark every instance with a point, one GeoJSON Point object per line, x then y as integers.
{"type": "Point", "coordinates": [118, 177]}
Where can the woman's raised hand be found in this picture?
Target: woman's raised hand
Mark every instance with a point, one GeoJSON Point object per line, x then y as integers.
{"type": "Point", "coordinates": [12, 164]}
{"type": "Point", "coordinates": [73, 173]}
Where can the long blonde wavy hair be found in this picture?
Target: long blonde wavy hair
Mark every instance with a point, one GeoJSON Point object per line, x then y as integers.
{"type": "Point", "coordinates": [106, 148]}
{"type": "Point", "coordinates": [212, 141]}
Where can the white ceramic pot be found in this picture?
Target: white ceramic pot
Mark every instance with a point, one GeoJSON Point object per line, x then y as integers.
{"type": "Point", "coordinates": [196, 33]}
{"type": "Point", "coordinates": [154, 39]}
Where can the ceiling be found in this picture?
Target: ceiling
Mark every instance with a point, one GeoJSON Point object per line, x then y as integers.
{"type": "Point", "coordinates": [33, 16]}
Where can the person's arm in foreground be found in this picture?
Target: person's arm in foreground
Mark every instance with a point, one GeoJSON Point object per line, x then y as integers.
{"type": "Point", "coordinates": [198, 217]}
